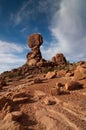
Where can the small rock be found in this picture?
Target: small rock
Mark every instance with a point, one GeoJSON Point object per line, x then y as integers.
{"type": "Point", "coordinates": [55, 91]}
{"type": "Point", "coordinates": [39, 95]}
{"type": "Point", "coordinates": [19, 95]}
{"type": "Point", "coordinates": [7, 108]}
{"type": "Point", "coordinates": [37, 80]}
{"type": "Point", "coordinates": [58, 84]}
{"type": "Point", "coordinates": [69, 74]}
{"type": "Point", "coordinates": [61, 73]}
{"type": "Point", "coordinates": [16, 114]}
{"type": "Point", "coordinates": [20, 100]}
{"type": "Point", "coordinates": [49, 101]}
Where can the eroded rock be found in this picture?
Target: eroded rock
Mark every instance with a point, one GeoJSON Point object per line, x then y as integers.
{"type": "Point", "coordinates": [50, 75]}
{"type": "Point", "coordinates": [80, 72]}
{"type": "Point", "coordinates": [73, 85]}
{"type": "Point", "coordinates": [34, 57]}
{"type": "Point", "coordinates": [59, 59]}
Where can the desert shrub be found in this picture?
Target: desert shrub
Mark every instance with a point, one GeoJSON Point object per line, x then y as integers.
{"type": "Point", "coordinates": [47, 69]}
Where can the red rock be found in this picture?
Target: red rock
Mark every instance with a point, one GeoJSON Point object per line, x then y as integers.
{"type": "Point", "coordinates": [3, 100]}
{"type": "Point", "coordinates": [72, 85]}
{"type": "Point", "coordinates": [20, 100]}
{"type": "Point", "coordinates": [34, 57]}
{"type": "Point", "coordinates": [50, 75]}
{"type": "Point", "coordinates": [37, 80]}
{"type": "Point", "coordinates": [58, 84]}
{"type": "Point", "coordinates": [2, 83]}
{"type": "Point", "coordinates": [59, 59]}
{"type": "Point", "coordinates": [55, 91]}
{"type": "Point", "coordinates": [35, 40]}
{"type": "Point", "coordinates": [80, 73]}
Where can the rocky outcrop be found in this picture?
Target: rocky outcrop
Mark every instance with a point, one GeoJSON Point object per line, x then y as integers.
{"type": "Point", "coordinates": [34, 57]}
{"type": "Point", "coordinates": [80, 72]}
{"type": "Point", "coordinates": [10, 121]}
{"type": "Point", "coordinates": [59, 59]}
{"type": "Point", "coordinates": [2, 83]}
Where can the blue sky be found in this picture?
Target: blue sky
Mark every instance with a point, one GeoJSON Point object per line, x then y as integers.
{"type": "Point", "coordinates": [61, 22]}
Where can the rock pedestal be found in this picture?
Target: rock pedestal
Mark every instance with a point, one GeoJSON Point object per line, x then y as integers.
{"type": "Point", "coordinates": [34, 42]}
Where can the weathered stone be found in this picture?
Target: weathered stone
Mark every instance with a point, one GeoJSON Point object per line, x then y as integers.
{"type": "Point", "coordinates": [58, 84]}
{"type": "Point", "coordinates": [11, 125]}
{"type": "Point", "coordinates": [50, 101]}
{"type": "Point", "coordinates": [50, 75]}
{"type": "Point", "coordinates": [73, 85]}
{"type": "Point", "coordinates": [37, 80]}
{"type": "Point", "coordinates": [2, 83]}
{"type": "Point", "coordinates": [35, 40]}
{"type": "Point", "coordinates": [61, 73]}
{"type": "Point", "coordinates": [80, 72]}
{"type": "Point", "coordinates": [34, 57]}
{"type": "Point", "coordinates": [59, 59]}
{"type": "Point", "coordinates": [3, 100]}
{"type": "Point", "coordinates": [20, 100]}
{"type": "Point", "coordinates": [55, 91]}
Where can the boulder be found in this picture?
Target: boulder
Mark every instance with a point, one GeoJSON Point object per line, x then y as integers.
{"type": "Point", "coordinates": [50, 75]}
{"type": "Point", "coordinates": [35, 40]}
{"type": "Point", "coordinates": [37, 80]}
{"type": "Point", "coordinates": [80, 72]}
{"type": "Point", "coordinates": [2, 83]}
{"type": "Point", "coordinates": [11, 125]}
{"type": "Point", "coordinates": [10, 121]}
{"type": "Point", "coordinates": [61, 73]}
{"type": "Point", "coordinates": [55, 91]}
{"type": "Point", "coordinates": [73, 85]}
{"type": "Point", "coordinates": [3, 101]}
{"type": "Point", "coordinates": [50, 100]}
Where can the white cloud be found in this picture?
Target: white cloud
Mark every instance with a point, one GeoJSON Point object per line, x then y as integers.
{"type": "Point", "coordinates": [68, 29]}
{"type": "Point", "coordinates": [23, 13]}
{"type": "Point", "coordinates": [11, 55]}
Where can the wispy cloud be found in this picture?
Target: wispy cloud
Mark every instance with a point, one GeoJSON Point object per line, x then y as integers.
{"type": "Point", "coordinates": [30, 10]}
{"type": "Point", "coordinates": [68, 30]}
{"type": "Point", "coordinates": [11, 55]}
{"type": "Point", "coordinates": [22, 13]}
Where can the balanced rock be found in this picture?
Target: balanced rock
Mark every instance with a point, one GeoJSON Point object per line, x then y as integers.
{"type": "Point", "coordinates": [34, 42]}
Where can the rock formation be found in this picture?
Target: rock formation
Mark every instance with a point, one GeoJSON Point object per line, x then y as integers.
{"type": "Point", "coordinates": [59, 59]}
{"type": "Point", "coordinates": [34, 42]}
